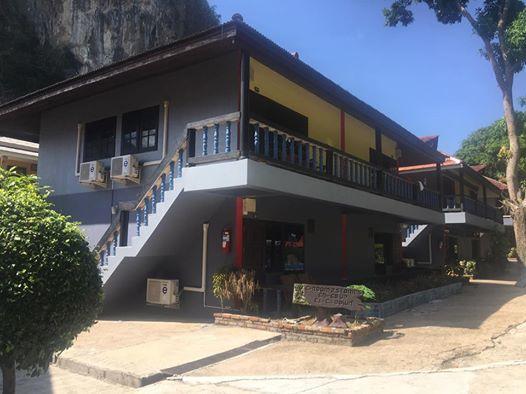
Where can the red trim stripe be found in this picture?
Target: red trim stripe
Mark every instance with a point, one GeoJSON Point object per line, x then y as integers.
{"type": "Point", "coordinates": [238, 233]}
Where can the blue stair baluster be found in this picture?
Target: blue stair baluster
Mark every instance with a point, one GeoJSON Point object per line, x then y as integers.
{"type": "Point", "coordinates": [256, 138]}
{"type": "Point", "coordinates": [266, 142]}
{"type": "Point", "coordinates": [115, 242]}
{"type": "Point", "coordinates": [154, 199]}
{"type": "Point", "coordinates": [146, 211]}
{"type": "Point", "coordinates": [300, 153]}
{"type": "Point", "coordinates": [108, 249]}
{"type": "Point", "coordinates": [228, 137]}
{"type": "Point", "coordinates": [321, 157]}
{"type": "Point", "coordinates": [292, 150]}
{"type": "Point", "coordinates": [171, 176]}
{"type": "Point", "coordinates": [205, 141]}
{"type": "Point", "coordinates": [307, 155]}
{"type": "Point", "coordinates": [163, 187]}
{"type": "Point", "coordinates": [216, 138]}
{"type": "Point", "coordinates": [180, 163]}
{"type": "Point", "coordinates": [102, 257]}
{"type": "Point", "coordinates": [138, 218]}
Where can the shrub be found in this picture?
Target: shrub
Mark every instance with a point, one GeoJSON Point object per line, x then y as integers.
{"type": "Point", "coordinates": [512, 254]}
{"type": "Point", "coordinates": [469, 267]}
{"type": "Point", "coordinates": [368, 295]}
{"type": "Point", "coordinates": [50, 286]}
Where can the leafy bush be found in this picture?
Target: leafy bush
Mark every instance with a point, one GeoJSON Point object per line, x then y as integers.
{"type": "Point", "coordinates": [50, 286]}
{"type": "Point", "coordinates": [469, 267]}
{"type": "Point", "coordinates": [389, 288]}
{"type": "Point", "coordinates": [512, 254]}
{"type": "Point", "coordinates": [461, 268]}
{"type": "Point", "coordinates": [368, 295]}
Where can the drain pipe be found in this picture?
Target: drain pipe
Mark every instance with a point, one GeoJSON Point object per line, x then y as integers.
{"type": "Point", "coordinates": [204, 259]}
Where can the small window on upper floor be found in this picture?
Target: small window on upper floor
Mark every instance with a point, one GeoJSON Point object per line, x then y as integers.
{"type": "Point", "coordinates": [140, 131]}
{"type": "Point", "coordinates": [99, 139]}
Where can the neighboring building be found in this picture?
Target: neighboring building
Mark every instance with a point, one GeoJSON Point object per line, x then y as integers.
{"type": "Point", "coordinates": [22, 155]}
{"type": "Point", "coordinates": [248, 157]}
{"type": "Point", "coordinates": [472, 213]}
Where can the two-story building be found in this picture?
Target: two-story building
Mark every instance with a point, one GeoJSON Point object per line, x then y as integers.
{"type": "Point", "coordinates": [471, 203]}
{"type": "Point", "coordinates": [225, 149]}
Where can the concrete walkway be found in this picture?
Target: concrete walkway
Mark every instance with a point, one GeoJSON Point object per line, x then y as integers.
{"type": "Point", "coordinates": [139, 353]}
{"type": "Point", "coordinates": [473, 342]}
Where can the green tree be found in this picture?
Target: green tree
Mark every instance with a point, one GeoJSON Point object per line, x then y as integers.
{"type": "Point", "coordinates": [501, 25]}
{"type": "Point", "coordinates": [50, 287]}
{"type": "Point", "coordinates": [488, 146]}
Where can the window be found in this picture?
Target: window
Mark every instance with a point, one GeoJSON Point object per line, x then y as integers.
{"type": "Point", "coordinates": [277, 115]}
{"type": "Point", "coordinates": [140, 130]}
{"type": "Point", "coordinates": [99, 139]}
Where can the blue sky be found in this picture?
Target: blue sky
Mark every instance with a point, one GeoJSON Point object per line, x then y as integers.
{"type": "Point", "coordinates": [428, 77]}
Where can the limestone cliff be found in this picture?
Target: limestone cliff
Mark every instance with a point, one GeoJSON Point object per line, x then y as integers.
{"type": "Point", "coordinates": [99, 32]}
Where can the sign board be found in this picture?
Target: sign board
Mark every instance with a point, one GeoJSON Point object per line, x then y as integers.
{"type": "Point", "coordinates": [327, 296]}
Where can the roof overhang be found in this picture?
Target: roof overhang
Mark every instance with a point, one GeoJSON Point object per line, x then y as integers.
{"type": "Point", "coordinates": [217, 40]}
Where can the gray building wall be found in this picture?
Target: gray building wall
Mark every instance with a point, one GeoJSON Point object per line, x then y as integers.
{"type": "Point", "coordinates": [196, 92]}
{"type": "Point", "coordinates": [175, 251]}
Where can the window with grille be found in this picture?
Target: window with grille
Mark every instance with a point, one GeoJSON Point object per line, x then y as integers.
{"type": "Point", "coordinates": [140, 131]}
{"type": "Point", "coordinates": [99, 139]}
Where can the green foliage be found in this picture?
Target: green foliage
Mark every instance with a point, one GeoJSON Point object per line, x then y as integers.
{"type": "Point", "coordinates": [368, 294]}
{"type": "Point", "coordinates": [50, 287]}
{"type": "Point", "coordinates": [486, 22]}
{"type": "Point", "coordinates": [391, 288]}
{"type": "Point", "coordinates": [26, 64]}
{"type": "Point", "coordinates": [489, 145]}
{"type": "Point", "coordinates": [219, 287]}
{"type": "Point", "coordinates": [512, 254]}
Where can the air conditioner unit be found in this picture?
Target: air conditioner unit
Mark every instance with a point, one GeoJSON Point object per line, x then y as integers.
{"type": "Point", "coordinates": [125, 168]}
{"type": "Point", "coordinates": [92, 173]}
{"type": "Point", "coordinates": [163, 292]}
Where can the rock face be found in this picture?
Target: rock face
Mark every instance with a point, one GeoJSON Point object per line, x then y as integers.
{"type": "Point", "coordinates": [99, 32]}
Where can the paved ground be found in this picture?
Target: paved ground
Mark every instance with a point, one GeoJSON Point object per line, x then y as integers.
{"type": "Point", "coordinates": [473, 342]}
{"type": "Point", "coordinates": [134, 350]}
{"type": "Point", "coordinates": [436, 335]}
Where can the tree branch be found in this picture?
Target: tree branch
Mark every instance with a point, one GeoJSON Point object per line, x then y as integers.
{"type": "Point", "coordinates": [501, 31]}
{"type": "Point", "coordinates": [489, 49]}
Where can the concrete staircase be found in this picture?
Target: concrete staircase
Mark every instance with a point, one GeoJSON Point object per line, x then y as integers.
{"type": "Point", "coordinates": [411, 233]}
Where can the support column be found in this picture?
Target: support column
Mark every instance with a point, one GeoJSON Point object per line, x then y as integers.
{"type": "Point", "coordinates": [343, 261]}
{"type": "Point", "coordinates": [244, 86]}
{"type": "Point", "coordinates": [461, 173]}
{"type": "Point", "coordinates": [485, 199]}
{"type": "Point", "coordinates": [238, 233]}
{"type": "Point", "coordinates": [440, 184]}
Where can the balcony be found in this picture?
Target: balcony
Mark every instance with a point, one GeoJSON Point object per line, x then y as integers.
{"type": "Point", "coordinates": [300, 154]}
{"type": "Point", "coordinates": [455, 203]}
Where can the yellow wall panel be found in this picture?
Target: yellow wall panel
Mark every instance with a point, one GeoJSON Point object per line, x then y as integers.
{"type": "Point", "coordinates": [359, 138]}
{"type": "Point", "coordinates": [324, 118]}
{"type": "Point", "coordinates": [388, 147]}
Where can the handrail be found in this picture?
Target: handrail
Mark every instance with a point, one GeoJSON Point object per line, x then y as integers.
{"type": "Point", "coordinates": [232, 117]}
{"type": "Point", "coordinates": [331, 162]}
{"type": "Point", "coordinates": [110, 236]}
{"type": "Point", "coordinates": [312, 141]}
